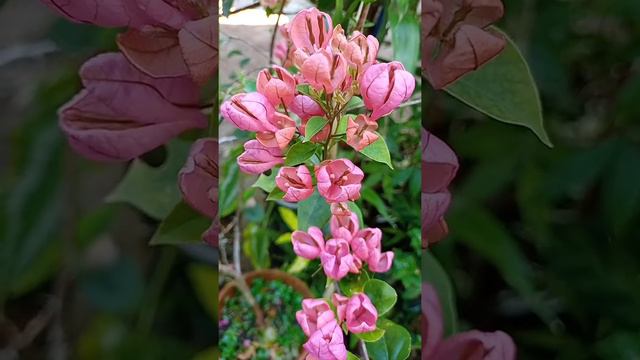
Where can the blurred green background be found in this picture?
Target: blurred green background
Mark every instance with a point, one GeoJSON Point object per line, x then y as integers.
{"type": "Point", "coordinates": [77, 276]}
{"type": "Point", "coordinates": [545, 242]}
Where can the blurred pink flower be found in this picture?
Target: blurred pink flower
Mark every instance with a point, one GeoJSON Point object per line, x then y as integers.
{"type": "Point", "coordinates": [327, 343]}
{"type": "Point", "coordinates": [295, 182]}
{"type": "Point", "coordinates": [361, 132]}
{"type": "Point", "coordinates": [286, 129]}
{"type": "Point", "coordinates": [249, 112]}
{"type": "Point", "coordinates": [439, 167]}
{"type": "Point", "coordinates": [315, 314]}
{"type": "Point", "coordinates": [384, 87]}
{"type": "Point", "coordinates": [470, 345]}
{"type": "Point", "coordinates": [198, 179]}
{"type": "Point", "coordinates": [258, 158]}
{"type": "Point", "coordinates": [457, 38]}
{"type": "Point", "coordinates": [123, 113]}
{"type": "Point", "coordinates": [310, 30]}
{"type": "Point", "coordinates": [337, 260]}
{"type": "Point", "coordinates": [308, 245]}
{"type": "Point", "coordinates": [339, 180]}
{"type": "Point", "coordinates": [279, 89]}
{"type": "Point", "coordinates": [361, 315]}
{"type": "Point", "coordinates": [325, 71]}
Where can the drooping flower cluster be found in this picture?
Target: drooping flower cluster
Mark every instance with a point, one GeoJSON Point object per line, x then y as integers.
{"type": "Point", "coordinates": [149, 93]}
{"type": "Point", "coordinates": [439, 167]}
{"type": "Point", "coordinates": [303, 105]}
{"type": "Point", "coordinates": [348, 249]}
{"type": "Point", "coordinates": [323, 326]}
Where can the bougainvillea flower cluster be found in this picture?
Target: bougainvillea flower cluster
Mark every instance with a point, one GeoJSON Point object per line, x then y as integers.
{"type": "Point", "coordinates": [439, 167]}
{"type": "Point", "coordinates": [469, 345]}
{"type": "Point", "coordinates": [145, 96]}
{"type": "Point", "coordinates": [302, 104]}
{"type": "Point", "coordinates": [458, 38]}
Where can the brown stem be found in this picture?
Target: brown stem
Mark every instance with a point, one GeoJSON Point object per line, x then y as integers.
{"type": "Point", "coordinates": [363, 350]}
{"type": "Point", "coordinates": [241, 285]}
{"type": "Point", "coordinates": [363, 17]}
{"type": "Point", "coordinates": [250, 6]}
{"type": "Point", "coordinates": [275, 32]}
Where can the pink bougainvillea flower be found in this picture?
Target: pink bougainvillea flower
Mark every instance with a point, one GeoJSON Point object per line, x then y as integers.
{"type": "Point", "coordinates": [123, 113]}
{"type": "Point", "coordinates": [315, 314]}
{"type": "Point", "coordinates": [249, 112]}
{"type": "Point", "coordinates": [365, 242]}
{"type": "Point", "coordinates": [279, 88]}
{"type": "Point", "coordinates": [325, 71]}
{"type": "Point", "coordinates": [384, 87]}
{"type": "Point", "coordinates": [310, 30]}
{"type": "Point", "coordinates": [258, 158]}
{"type": "Point", "coordinates": [380, 262]}
{"type": "Point", "coordinates": [198, 179]}
{"type": "Point", "coordinates": [308, 245]}
{"type": "Point", "coordinates": [286, 129]}
{"type": "Point", "coordinates": [361, 132]}
{"type": "Point", "coordinates": [295, 182]}
{"type": "Point", "coordinates": [361, 315]}
{"type": "Point", "coordinates": [470, 345]}
{"type": "Point", "coordinates": [105, 13]}
{"type": "Point", "coordinates": [199, 44]}
{"type": "Point", "coordinates": [350, 222]}
{"type": "Point", "coordinates": [210, 237]}
{"type": "Point", "coordinates": [458, 39]}
{"type": "Point", "coordinates": [439, 167]}
{"type": "Point", "coordinates": [339, 180]}
{"type": "Point", "coordinates": [305, 107]}
{"type": "Point", "coordinates": [340, 210]}
{"type": "Point", "coordinates": [340, 302]}
{"type": "Point", "coordinates": [337, 260]}
{"type": "Point", "coordinates": [327, 343]}
{"type": "Point", "coordinates": [359, 50]}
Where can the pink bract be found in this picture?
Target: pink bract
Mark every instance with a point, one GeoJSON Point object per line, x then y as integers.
{"type": "Point", "coordinates": [295, 182]}
{"type": "Point", "coordinates": [310, 30]}
{"type": "Point", "coordinates": [361, 132]}
{"type": "Point", "coordinates": [315, 314]}
{"type": "Point", "coordinates": [470, 345]}
{"type": "Point", "coordinates": [337, 260]}
{"type": "Point", "coordinates": [249, 112]}
{"type": "Point", "coordinates": [123, 113]}
{"type": "Point", "coordinates": [384, 87]}
{"type": "Point", "coordinates": [258, 158]}
{"type": "Point", "coordinates": [308, 245]}
{"type": "Point", "coordinates": [339, 180]}
{"type": "Point", "coordinates": [327, 343]}
{"type": "Point", "coordinates": [361, 315]}
{"type": "Point", "coordinates": [279, 89]}
{"type": "Point", "coordinates": [198, 179]}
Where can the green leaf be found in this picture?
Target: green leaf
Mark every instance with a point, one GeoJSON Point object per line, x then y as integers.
{"type": "Point", "coordinates": [434, 274]}
{"type": "Point", "coordinates": [284, 239]}
{"type": "Point", "coordinates": [382, 295]}
{"type": "Point", "coordinates": [256, 246]}
{"type": "Point", "coordinates": [183, 226]}
{"type": "Point", "coordinates": [394, 345]}
{"type": "Point", "coordinates": [351, 356]}
{"type": "Point", "coordinates": [343, 124]}
{"type": "Point", "coordinates": [353, 283]}
{"type": "Point", "coordinates": [266, 182]}
{"type": "Point", "coordinates": [299, 153]}
{"type": "Point", "coordinates": [621, 193]}
{"type": "Point", "coordinates": [203, 279]}
{"type": "Point", "coordinates": [371, 336]}
{"type": "Point", "coordinates": [298, 265]}
{"type": "Point", "coordinates": [314, 126]}
{"type": "Point", "coordinates": [153, 190]}
{"type": "Point", "coordinates": [505, 90]}
{"type": "Point", "coordinates": [378, 151]}
{"type": "Point", "coordinates": [313, 211]}
{"type": "Point", "coordinates": [406, 41]}
{"type": "Point", "coordinates": [374, 199]}
{"type": "Point", "coordinates": [228, 194]}
{"type": "Point", "coordinates": [275, 195]}
{"type": "Point", "coordinates": [226, 7]}
{"type": "Point", "coordinates": [356, 209]}
{"type": "Point", "coordinates": [289, 217]}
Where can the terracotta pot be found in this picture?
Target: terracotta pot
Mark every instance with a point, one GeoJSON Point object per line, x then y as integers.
{"type": "Point", "coordinates": [298, 285]}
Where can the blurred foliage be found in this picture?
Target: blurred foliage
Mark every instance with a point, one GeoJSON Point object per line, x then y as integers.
{"type": "Point", "coordinates": [543, 241]}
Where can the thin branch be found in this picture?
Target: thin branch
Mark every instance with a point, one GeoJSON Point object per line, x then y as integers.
{"type": "Point", "coordinates": [241, 284]}
{"type": "Point", "coordinates": [363, 17]}
{"type": "Point", "coordinates": [363, 349]}
{"type": "Point", "coordinates": [275, 32]}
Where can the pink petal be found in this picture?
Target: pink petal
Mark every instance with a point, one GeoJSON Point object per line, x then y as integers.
{"type": "Point", "coordinates": [199, 44]}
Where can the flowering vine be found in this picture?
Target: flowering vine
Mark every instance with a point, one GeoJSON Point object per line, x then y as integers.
{"type": "Point", "coordinates": [300, 116]}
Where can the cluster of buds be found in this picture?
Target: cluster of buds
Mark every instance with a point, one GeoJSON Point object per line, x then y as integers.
{"type": "Point", "coordinates": [322, 71]}
{"type": "Point", "coordinates": [347, 250]}
{"type": "Point", "coordinates": [355, 314]}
